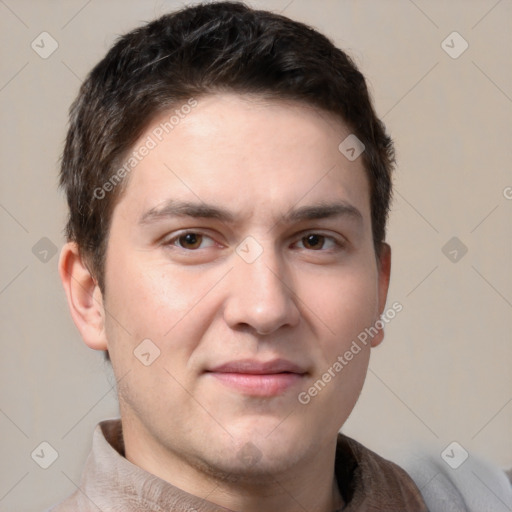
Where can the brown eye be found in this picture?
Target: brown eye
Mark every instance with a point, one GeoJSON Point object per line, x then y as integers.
{"type": "Point", "coordinates": [190, 240]}
{"type": "Point", "coordinates": [313, 241]}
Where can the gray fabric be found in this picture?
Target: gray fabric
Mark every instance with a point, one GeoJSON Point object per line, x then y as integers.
{"type": "Point", "coordinates": [475, 486]}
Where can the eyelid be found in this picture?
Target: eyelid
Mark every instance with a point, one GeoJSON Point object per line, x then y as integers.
{"type": "Point", "coordinates": [327, 233]}
{"type": "Point", "coordinates": [340, 241]}
{"type": "Point", "coordinates": [170, 241]}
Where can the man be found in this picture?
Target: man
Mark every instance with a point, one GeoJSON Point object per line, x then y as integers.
{"type": "Point", "coordinates": [228, 184]}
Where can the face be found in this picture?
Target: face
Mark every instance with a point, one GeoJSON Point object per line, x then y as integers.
{"type": "Point", "coordinates": [241, 251]}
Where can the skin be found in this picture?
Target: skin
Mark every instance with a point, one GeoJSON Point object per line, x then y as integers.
{"type": "Point", "coordinates": [303, 299]}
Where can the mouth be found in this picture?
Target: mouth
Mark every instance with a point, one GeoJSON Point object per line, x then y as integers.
{"type": "Point", "coordinates": [257, 378]}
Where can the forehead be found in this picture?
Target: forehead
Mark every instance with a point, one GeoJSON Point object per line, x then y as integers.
{"type": "Point", "coordinates": [245, 152]}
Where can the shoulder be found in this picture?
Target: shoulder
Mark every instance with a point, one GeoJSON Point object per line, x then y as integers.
{"type": "Point", "coordinates": [474, 485]}
{"type": "Point", "coordinates": [70, 504]}
{"type": "Point", "coordinates": [368, 481]}
{"type": "Point", "coordinates": [99, 470]}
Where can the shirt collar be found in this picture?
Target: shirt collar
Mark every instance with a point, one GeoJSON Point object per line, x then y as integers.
{"type": "Point", "coordinates": [365, 480]}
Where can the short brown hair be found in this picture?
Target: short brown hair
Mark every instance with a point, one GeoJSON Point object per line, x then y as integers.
{"type": "Point", "coordinates": [207, 48]}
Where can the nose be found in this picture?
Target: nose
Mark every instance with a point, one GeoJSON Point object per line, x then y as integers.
{"type": "Point", "coordinates": [259, 296]}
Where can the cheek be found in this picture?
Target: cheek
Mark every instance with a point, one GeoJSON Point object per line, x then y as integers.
{"type": "Point", "coordinates": [344, 303]}
{"type": "Point", "coordinates": [158, 302]}
{"type": "Point", "coordinates": [334, 389]}
{"type": "Point", "coordinates": [150, 303]}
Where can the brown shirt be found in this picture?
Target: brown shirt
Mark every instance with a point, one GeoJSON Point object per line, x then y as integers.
{"type": "Point", "coordinates": [111, 483]}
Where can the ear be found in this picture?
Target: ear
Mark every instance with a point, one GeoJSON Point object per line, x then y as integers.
{"type": "Point", "coordinates": [84, 297]}
{"type": "Point", "coordinates": [384, 269]}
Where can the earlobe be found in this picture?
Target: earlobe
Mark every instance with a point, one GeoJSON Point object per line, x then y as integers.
{"type": "Point", "coordinates": [84, 297]}
{"type": "Point", "coordinates": [384, 269]}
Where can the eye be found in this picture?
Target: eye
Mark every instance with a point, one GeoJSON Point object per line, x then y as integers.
{"type": "Point", "coordinates": [317, 242]}
{"type": "Point", "coordinates": [191, 241]}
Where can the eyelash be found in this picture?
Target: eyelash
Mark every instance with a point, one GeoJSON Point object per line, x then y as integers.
{"type": "Point", "coordinates": [172, 241]}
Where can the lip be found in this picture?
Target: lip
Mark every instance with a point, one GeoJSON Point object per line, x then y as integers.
{"type": "Point", "coordinates": [258, 378]}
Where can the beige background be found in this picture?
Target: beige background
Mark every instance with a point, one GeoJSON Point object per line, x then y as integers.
{"type": "Point", "coordinates": [444, 370]}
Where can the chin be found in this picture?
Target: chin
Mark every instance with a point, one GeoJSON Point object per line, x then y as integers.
{"type": "Point", "coordinates": [265, 449]}
{"type": "Point", "coordinates": [248, 465]}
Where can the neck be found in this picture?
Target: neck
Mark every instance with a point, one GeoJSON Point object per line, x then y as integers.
{"type": "Point", "coordinates": [295, 492]}
{"type": "Point", "coordinates": [308, 485]}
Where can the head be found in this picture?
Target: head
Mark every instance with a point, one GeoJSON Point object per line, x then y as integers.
{"type": "Point", "coordinates": [216, 229]}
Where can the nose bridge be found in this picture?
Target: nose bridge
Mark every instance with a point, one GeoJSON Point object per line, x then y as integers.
{"type": "Point", "coordinates": [265, 276]}
{"type": "Point", "coordinates": [259, 296]}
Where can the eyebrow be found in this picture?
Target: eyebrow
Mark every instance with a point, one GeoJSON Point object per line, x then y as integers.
{"type": "Point", "coordinates": [175, 208]}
